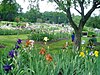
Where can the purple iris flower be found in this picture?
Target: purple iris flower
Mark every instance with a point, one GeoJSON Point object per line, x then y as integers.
{"type": "Point", "coordinates": [91, 53]}
{"type": "Point", "coordinates": [12, 53]}
{"type": "Point", "coordinates": [7, 67]}
{"type": "Point", "coordinates": [16, 47]}
{"type": "Point", "coordinates": [19, 41]}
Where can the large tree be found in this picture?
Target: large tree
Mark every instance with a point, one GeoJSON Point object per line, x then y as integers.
{"type": "Point", "coordinates": [9, 9]}
{"type": "Point", "coordinates": [79, 6]}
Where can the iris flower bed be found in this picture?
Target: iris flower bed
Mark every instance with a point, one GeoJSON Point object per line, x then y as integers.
{"type": "Point", "coordinates": [39, 35]}
{"type": "Point", "coordinates": [26, 59]}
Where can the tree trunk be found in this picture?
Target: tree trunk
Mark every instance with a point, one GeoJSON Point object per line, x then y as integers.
{"type": "Point", "coordinates": [78, 39]}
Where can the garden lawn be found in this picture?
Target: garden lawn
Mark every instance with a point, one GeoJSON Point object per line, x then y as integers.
{"type": "Point", "coordinates": [87, 38]}
{"type": "Point", "coordinates": [5, 22]}
{"type": "Point", "coordinates": [9, 41]}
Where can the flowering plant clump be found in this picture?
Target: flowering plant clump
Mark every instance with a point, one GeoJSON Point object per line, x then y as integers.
{"type": "Point", "coordinates": [42, 51]}
{"type": "Point", "coordinates": [96, 53]}
{"type": "Point", "coordinates": [19, 41]}
{"type": "Point", "coordinates": [12, 53]}
{"type": "Point", "coordinates": [90, 52]}
{"type": "Point", "coordinates": [48, 57]}
{"type": "Point", "coordinates": [45, 39]}
{"type": "Point", "coordinates": [17, 46]}
{"type": "Point", "coordinates": [7, 67]}
{"type": "Point", "coordinates": [82, 54]}
{"type": "Point", "coordinates": [29, 43]}
{"type": "Point", "coordinates": [41, 61]}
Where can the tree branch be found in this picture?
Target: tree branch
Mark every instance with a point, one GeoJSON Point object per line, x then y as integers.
{"type": "Point", "coordinates": [75, 2]}
{"type": "Point", "coordinates": [98, 7]}
{"type": "Point", "coordinates": [87, 16]}
{"type": "Point", "coordinates": [83, 1]}
{"type": "Point", "coordinates": [70, 19]}
{"type": "Point", "coordinates": [57, 1]}
{"type": "Point", "coordinates": [77, 10]}
{"type": "Point", "coordinates": [67, 10]}
{"type": "Point", "coordinates": [98, 3]}
{"type": "Point", "coordinates": [82, 7]}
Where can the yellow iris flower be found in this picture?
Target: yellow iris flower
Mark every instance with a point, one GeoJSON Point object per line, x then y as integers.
{"type": "Point", "coordinates": [96, 53]}
{"type": "Point", "coordinates": [45, 39]}
{"type": "Point", "coordinates": [82, 54]}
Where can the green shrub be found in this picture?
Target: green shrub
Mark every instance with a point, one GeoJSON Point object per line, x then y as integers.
{"type": "Point", "coordinates": [97, 47]}
{"type": "Point", "coordinates": [85, 29]}
{"type": "Point", "coordinates": [38, 36]}
{"type": "Point", "coordinates": [65, 62]}
{"type": "Point", "coordinates": [90, 33]}
{"type": "Point", "coordinates": [13, 32]}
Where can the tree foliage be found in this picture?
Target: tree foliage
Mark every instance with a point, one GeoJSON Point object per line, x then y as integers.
{"type": "Point", "coordinates": [32, 15]}
{"type": "Point", "coordinates": [94, 22]}
{"type": "Point", "coordinates": [9, 9]}
{"type": "Point", "coordinates": [54, 17]}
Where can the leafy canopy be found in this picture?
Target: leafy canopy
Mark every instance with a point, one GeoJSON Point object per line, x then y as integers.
{"type": "Point", "coordinates": [8, 9]}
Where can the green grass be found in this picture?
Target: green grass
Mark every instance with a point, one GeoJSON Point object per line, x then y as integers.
{"type": "Point", "coordinates": [87, 38]}
{"type": "Point", "coordinates": [10, 40]}
{"type": "Point", "coordinates": [5, 22]}
{"type": "Point", "coordinates": [54, 46]}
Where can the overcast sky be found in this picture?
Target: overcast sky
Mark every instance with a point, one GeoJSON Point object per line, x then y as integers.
{"type": "Point", "coordinates": [45, 6]}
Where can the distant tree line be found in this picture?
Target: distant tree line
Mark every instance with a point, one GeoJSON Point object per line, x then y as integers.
{"type": "Point", "coordinates": [94, 22]}
{"type": "Point", "coordinates": [33, 15]}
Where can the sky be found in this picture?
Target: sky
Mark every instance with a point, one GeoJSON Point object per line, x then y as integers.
{"type": "Point", "coordinates": [45, 6]}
